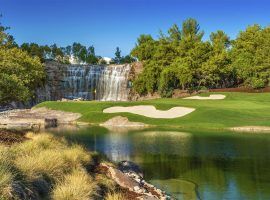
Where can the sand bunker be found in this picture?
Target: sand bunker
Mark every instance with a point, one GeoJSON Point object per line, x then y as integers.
{"type": "Point", "coordinates": [211, 97]}
{"type": "Point", "coordinates": [151, 111]}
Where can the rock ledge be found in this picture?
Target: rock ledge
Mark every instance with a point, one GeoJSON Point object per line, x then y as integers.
{"type": "Point", "coordinates": [123, 122]}
{"type": "Point", "coordinates": [35, 119]}
{"type": "Point", "coordinates": [128, 178]}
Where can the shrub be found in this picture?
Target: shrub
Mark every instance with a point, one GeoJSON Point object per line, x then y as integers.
{"type": "Point", "coordinates": [48, 163]}
{"type": "Point", "coordinates": [257, 83]}
{"type": "Point", "coordinates": [47, 167]}
{"type": "Point", "coordinates": [76, 186]}
{"type": "Point", "coordinates": [5, 182]}
{"type": "Point", "coordinates": [106, 184]}
{"type": "Point", "coordinates": [11, 185]}
{"type": "Point", "coordinates": [38, 143]}
{"type": "Point", "coordinates": [76, 156]}
{"type": "Point", "coordinates": [114, 196]}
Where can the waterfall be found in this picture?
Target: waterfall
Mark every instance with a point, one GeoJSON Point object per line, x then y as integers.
{"type": "Point", "coordinates": [96, 82]}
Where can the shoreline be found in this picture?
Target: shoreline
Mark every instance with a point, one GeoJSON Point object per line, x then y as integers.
{"type": "Point", "coordinates": [39, 122]}
{"type": "Point", "coordinates": [127, 176]}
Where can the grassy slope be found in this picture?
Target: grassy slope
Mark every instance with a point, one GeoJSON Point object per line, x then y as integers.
{"type": "Point", "coordinates": [238, 109]}
{"type": "Point", "coordinates": [49, 167]}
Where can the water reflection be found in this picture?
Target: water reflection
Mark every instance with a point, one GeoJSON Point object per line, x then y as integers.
{"type": "Point", "coordinates": [117, 147]}
{"type": "Point", "coordinates": [190, 165]}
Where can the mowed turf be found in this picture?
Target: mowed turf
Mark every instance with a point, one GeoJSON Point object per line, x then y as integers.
{"type": "Point", "coordinates": [237, 109]}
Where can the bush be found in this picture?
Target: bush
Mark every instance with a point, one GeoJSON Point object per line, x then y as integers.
{"type": "Point", "coordinates": [167, 82]}
{"type": "Point", "coordinates": [11, 184]}
{"type": "Point", "coordinates": [257, 83]}
{"type": "Point", "coordinates": [46, 167]}
{"type": "Point", "coordinates": [114, 196]}
{"type": "Point", "coordinates": [48, 163]}
{"type": "Point", "coordinates": [76, 186]}
{"type": "Point", "coordinates": [5, 182]}
{"type": "Point", "coordinates": [76, 156]}
{"type": "Point", "coordinates": [38, 143]}
{"type": "Point", "coordinates": [42, 164]}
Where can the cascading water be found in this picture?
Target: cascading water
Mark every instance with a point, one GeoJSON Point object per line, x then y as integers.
{"type": "Point", "coordinates": [96, 82]}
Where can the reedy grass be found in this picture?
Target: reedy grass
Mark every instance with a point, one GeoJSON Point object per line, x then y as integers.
{"type": "Point", "coordinates": [11, 183]}
{"type": "Point", "coordinates": [46, 167]}
{"type": "Point", "coordinates": [48, 163]}
{"type": "Point", "coordinates": [114, 196]}
{"type": "Point", "coordinates": [105, 183]}
{"type": "Point", "coordinates": [77, 185]}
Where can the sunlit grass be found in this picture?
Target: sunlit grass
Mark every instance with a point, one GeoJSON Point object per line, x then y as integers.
{"type": "Point", "coordinates": [46, 167]}
{"type": "Point", "coordinates": [114, 196]}
{"type": "Point", "coordinates": [77, 185]}
{"type": "Point", "coordinates": [237, 109]}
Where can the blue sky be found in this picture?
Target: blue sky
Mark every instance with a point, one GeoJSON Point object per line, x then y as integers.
{"type": "Point", "coordinates": [110, 23]}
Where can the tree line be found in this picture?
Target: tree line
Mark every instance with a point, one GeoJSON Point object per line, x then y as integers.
{"type": "Point", "coordinates": [80, 53]}
{"type": "Point", "coordinates": [180, 59]}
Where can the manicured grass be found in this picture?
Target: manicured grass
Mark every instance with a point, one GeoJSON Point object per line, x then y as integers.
{"type": "Point", "coordinates": [238, 109]}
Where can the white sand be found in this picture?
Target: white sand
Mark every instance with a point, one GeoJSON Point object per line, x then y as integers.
{"type": "Point", "coordinates": [211, 97]}
{"type": "Point", "coordinates": [151, 111]}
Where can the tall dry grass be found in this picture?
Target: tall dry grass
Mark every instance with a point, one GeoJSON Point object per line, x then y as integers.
{"type": "Point", "coordinates": [77, 185]}
{"type": "Point", "coordinates": [45, 167]}
{"type": "Point", "coordinates": [114, 196]}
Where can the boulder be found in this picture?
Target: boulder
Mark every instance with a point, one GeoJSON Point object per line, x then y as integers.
{"type": "Point", "coordinates": [120, 121]}
{"type": "Point", "coordinates": [129, 180]}
{"type": "Point", "coordinates": [120, 178]}
{"type": "Point", "coordinates": [35, 119]}
{"type": "Point", "coordinates": [129, 167]}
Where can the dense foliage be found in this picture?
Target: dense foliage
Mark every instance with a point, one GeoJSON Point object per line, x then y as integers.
{"type": "Point", "coordinates": [180, 59]}
{"type": "Point", "coordinates": [19, 72]}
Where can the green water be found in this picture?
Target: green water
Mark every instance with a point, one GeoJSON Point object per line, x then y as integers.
{"type": "Point", "coordinates": [189, 165]}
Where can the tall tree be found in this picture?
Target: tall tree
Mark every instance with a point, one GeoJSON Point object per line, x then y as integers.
{"type": "Point", "coordinates": [145, 48]}
{"type": "Point", "coordinates": [20, 74]}
{"type": "Point", "coordinates": [250, 56]}
{"type": "Point", "coordinates": [174, 34]}
{"type": "Point", "coordinates": [216, 71]}
{"type": "Point", "coordinates": [118, 56]}
{"type": "Point", "coordinates": [191, 30]}
{"type": "Point", "coordinates": [91, 56]}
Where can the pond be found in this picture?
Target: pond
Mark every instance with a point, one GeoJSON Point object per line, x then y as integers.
{"type": "Point", "coordinates": [188, 164]}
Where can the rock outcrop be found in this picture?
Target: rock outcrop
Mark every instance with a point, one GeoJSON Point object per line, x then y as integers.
{"type": "Point", "coordinates": [119, 121]}
{"type": "Point", "coordinates": [129, 177]}
{"type": "Point", "coordinates": [35, 119]}
{"type": "Point", "coordinates": [90, 82]}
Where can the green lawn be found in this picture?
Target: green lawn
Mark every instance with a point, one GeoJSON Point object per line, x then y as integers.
{"type": "Point", "coordinates": [238, 109]}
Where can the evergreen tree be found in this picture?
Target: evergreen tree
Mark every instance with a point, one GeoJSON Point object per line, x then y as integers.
{"type": "Point", "coordinates": [118, 57]}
